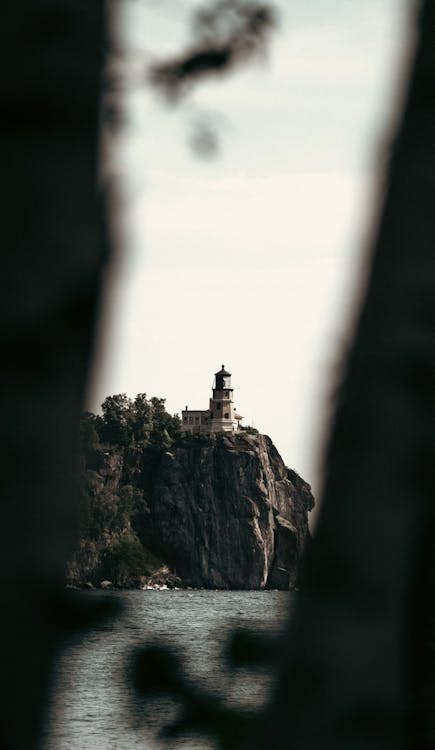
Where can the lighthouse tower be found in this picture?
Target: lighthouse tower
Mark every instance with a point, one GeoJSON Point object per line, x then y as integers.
{"type": "Point", "coordinates": [222, 414]}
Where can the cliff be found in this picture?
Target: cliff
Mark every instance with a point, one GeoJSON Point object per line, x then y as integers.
{"type": "Point", "coordinates": [227, 513]}
{"type": "Point", "coordinates": [219, 510]}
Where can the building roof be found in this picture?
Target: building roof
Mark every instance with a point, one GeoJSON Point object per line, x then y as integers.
{"type": "Point", "coordinates": [223, 371]}
{"type": "Point", "coordinates": [195, 411]}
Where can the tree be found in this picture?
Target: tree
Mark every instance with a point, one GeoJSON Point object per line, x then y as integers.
{"type": "Point", "coordinates": [90, 426]}
{"type": "Point", "coordinates": [116, 427]}
{"type": "Point", "coordinates": [165, 426]}
{"type": "Point", "coordinates": [359, 669]}
{"type": "Point", "coordinates": [54, 247]}
{"type": "Point", "coordinates": [142, 420]}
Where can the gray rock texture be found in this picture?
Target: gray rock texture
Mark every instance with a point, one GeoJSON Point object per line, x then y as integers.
{"type": "Point", "coordinates": [227, 513]}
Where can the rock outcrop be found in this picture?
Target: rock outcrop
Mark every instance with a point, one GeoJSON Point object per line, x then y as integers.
{"type": "Point", "coordinates": [220, 510]}
{"type": "Point", "coordinates": [226, 513]}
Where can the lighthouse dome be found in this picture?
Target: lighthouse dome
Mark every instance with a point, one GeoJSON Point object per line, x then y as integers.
{"type": "Point", "coordinates": [222, 380]}
{"type": "Point", "coordinates": [223, 371]}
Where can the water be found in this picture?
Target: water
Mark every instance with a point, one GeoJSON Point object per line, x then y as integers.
{"type": "Point", "coordinates": [94, 708]}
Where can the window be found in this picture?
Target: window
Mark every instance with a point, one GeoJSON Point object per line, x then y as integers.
{"type": "Point", "coordinates": [226, 415]}
{"type": "Point", "coordinates": [185, 419]}
{"type": "Point", "coordinates": [196, 420]}
{"type": "Point", "coordinates": [190, 420]}
{"type": "Point", "coordinates": [226, 394]}
{"type": "Point", "coordinates": [218, 405]}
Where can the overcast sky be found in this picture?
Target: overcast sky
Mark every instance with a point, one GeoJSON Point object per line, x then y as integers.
{"type": "Point", "coordinates": [249, 259]}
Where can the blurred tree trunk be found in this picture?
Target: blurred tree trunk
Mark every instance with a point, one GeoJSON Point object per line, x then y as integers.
{"type": "Point", "coordinates": [359, 669]}
{"type": "Point", "coordinates": [54, 253]}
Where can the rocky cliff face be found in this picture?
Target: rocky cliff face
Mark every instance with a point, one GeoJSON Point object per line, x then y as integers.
{"type": "Point", "coordinates": [226, 512]}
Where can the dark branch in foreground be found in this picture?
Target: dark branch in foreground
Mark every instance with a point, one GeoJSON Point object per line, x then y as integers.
{"type": "Point", "coordinates": [226, 35]}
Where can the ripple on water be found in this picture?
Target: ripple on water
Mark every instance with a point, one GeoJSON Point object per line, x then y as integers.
{"type": "Point", "coordinates": [93, 707]}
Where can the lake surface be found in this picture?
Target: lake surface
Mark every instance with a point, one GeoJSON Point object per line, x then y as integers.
{"type": "Point", "coordinates": [94, 708]}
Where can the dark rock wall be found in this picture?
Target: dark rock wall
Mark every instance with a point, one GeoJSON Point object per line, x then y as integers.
{"type": "Point", "coordinates": [227, 513]}
{"type": "Point", "coordinates": [222, 510]}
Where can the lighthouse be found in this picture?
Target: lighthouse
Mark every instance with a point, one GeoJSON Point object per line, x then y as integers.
{"type": "Point", "coordinates": [221, 403]}
{"type": "Point", "coordinates": [221, 414]}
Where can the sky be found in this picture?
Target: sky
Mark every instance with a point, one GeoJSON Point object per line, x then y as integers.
{"type": "Point", "coordinates": [252, 258]}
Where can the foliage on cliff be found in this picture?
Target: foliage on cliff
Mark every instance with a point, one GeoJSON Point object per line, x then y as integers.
{"type": "Point", "coordinates": [133, 424]}
{"type": "Point", "coordinates": [116, 446]}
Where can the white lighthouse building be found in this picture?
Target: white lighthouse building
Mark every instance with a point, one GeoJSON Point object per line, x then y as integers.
{"type": "Point", "coordinates": [220, 415]}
